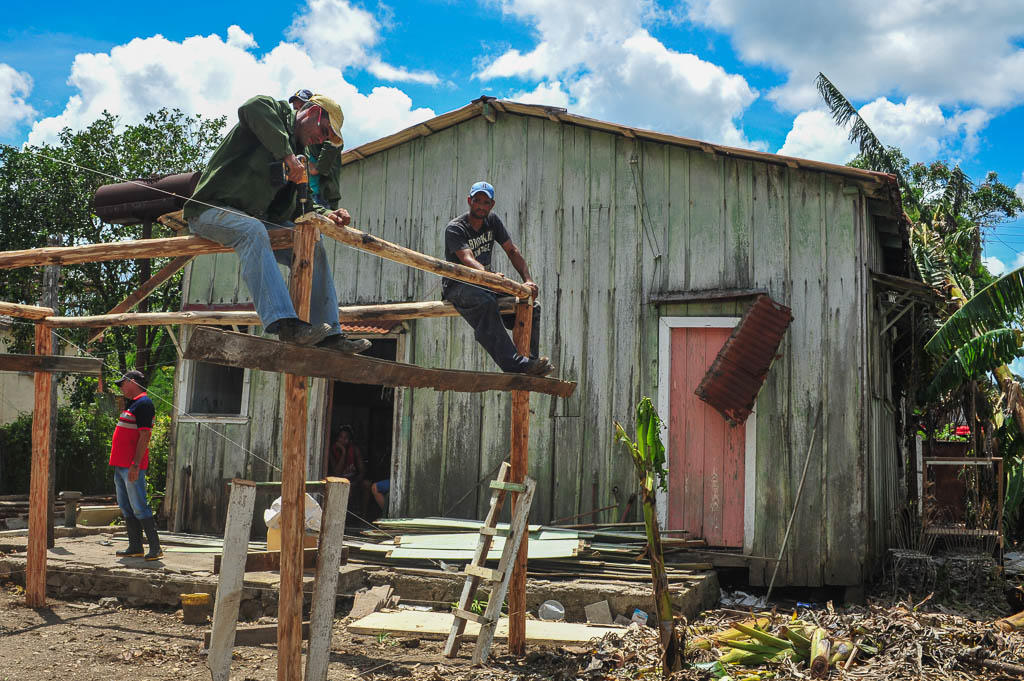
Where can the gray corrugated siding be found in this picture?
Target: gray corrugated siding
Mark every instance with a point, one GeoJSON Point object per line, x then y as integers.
{"type": "Point", "coordinates": [605, 222]}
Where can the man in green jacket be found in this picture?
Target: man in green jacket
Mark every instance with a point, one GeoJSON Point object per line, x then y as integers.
{"type": "Point", "coordinates": [237, 201]}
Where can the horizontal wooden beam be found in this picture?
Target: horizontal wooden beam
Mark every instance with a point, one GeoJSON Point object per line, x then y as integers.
{"type": "Point", "coordinates": [350, 313]}
{"type": "Point", "coordinates": [251, 352]}
{"type": "Point", "coordinates": [141, 293]}
{"type": "Point", "coordinates": [385, 249]}
{"type": "Point", "coordinates": [50, 363]}
{"type": "Point", "coordinates": [128, 250]}
{"type": "Point", "coordinates": [269, 561]}
{"type": "Point", "coordinates": [25, 311]}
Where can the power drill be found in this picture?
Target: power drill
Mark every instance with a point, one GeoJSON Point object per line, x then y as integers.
{"type": "Point", "coordinates": [279, 178]}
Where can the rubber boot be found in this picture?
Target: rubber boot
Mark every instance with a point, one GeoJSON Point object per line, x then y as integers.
{"type": "Point", "coordinates": [134, 549]}
{"type": "Point", "coordinates": [155, 552]}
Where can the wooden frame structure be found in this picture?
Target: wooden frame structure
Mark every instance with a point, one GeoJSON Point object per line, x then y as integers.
{"type": "Point", "coordinates": [302, 240]}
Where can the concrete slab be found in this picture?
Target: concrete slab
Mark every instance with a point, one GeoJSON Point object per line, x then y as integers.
{"type": "Point", "coordinates": [437, 625]}
{"type": "Point", "coordinates": [83, 565]}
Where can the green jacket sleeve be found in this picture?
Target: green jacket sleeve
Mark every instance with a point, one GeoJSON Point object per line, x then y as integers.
{"type": "Point", "coordinates": [261, 115]}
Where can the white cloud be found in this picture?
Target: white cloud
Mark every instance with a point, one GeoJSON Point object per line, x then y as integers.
{"type": "Point", "coordinates": [401, 75]}
{"type": "Point", "coordinates": [948, 53]}
{"type": "Point", "coordinates": [547, 93]}
{"type": "Point", "coordinates": [815, 136]}
{"type": "Point", "coordinates": [607, 65]}
{"type": "Point", "coordinates": [1020, 187]}
{"type": "Point", "coordinates": [14, 88]}
{"type": "Point", "coordinates": [213, 76]}
{"type": "Point", "coordinates": [240, 39]}
{"type": "Point", "coordinates": [336, 33]}
{"type": "Point", "coordinates": [996, 266]}
{"type": "Point", "coordinates": [919, 128]}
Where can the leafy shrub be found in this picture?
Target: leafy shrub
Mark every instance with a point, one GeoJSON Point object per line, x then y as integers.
{"type": "Point", "coordinates": [82, 450]}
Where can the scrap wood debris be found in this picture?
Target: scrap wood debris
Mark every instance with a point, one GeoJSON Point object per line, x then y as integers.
{"type": "Point", "coordinates": [873, 642]}
{"type": "Point", "coordinates": [859, 642]}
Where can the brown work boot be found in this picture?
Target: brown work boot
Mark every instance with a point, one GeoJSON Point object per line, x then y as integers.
{"type": "Point", "coordinates": [339, 342]}
{"type": "Point", "coordinates": [299, 332]}
{"type": "Point", "coordinates": [541, 366]}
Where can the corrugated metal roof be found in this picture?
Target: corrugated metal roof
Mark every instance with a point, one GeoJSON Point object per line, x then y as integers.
{"type": "Point", "coordinates": [735, 377]}
{"type": "Point", "coordinates": [875, 183]}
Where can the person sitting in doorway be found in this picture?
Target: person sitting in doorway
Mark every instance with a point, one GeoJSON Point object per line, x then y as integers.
{"type": "Point", "coordinates": [469, 240]}
{"type": "Point", "coordinates": [380, 491]}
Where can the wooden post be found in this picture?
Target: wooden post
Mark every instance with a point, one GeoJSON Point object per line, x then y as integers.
{"type": "Point", "coordinates": [293, 472]}
{"type": "Point", "coordinates": [232, 577]}
{"type": "Point", "coordinates": [301, 283]}
{"type": "Point", "coordinates": [325, 590]}
{"type": "Point", "coordinates": [51, 282]}
{"type": "Point", "coordinates": [519, 432]}
{"type": "Point", "coordinates": [42, 420]}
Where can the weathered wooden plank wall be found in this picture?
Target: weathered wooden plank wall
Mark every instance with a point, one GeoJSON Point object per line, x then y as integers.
{"type": "Point", "coordinates": [605, 223]}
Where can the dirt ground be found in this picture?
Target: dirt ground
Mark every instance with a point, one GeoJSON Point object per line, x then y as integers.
{"type": "Point", "coordinates": [89, 641]}
{"type": "Point", "coordinates": [83, 641]}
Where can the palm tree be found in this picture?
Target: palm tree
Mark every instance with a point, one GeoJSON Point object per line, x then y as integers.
{"type": "Point", "coordinates": [979, 334]}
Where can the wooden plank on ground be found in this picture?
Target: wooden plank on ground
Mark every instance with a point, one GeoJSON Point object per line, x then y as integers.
{"type": "Point", "coordinates": [255, 635]}
{"type": "Point", "coordinates": [86, 366]}
{"type": "Point", "coordinates": [370, 601]}
{"type": "Point", "coordinates": [437, 625]}
{"type": "Point", "coordinates": [250, 352]}
{"type": "Point", "coordinates": [265, 561]}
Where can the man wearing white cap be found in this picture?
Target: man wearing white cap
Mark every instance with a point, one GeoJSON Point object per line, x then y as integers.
{"type": "Point", "coordinates": [469, 240]}
{"type": "Point", "coordinates": [237, 201]}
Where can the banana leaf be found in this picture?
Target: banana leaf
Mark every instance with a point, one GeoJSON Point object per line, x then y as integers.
{"type": "Point", "coordinates": [980, 354]}
{"type": "Point", "coordinates": [996, 305]}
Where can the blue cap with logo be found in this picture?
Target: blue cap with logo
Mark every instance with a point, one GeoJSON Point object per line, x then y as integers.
{"type": "Point", "coordinates": [484, 187]}
{"type": "Point", "coordinates": [302, 95]}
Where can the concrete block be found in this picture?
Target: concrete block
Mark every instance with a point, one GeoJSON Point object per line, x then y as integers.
{"type": "Point", "coordinates": [599, 613]}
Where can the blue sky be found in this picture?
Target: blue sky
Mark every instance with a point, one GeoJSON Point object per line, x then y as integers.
{"type": "Point", "coordinates": [940, 81]}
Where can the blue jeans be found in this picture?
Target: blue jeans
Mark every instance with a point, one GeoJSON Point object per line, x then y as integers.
{"type": "Point", "coordinates": [479, 307]}
{"type": "Point", "coordinates": [131, 496]}
{"type": "Point", "coordinates": [248, 236]}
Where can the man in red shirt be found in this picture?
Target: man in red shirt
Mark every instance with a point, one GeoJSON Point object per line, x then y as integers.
{"type": "Point", "coordinates": [129, 456]}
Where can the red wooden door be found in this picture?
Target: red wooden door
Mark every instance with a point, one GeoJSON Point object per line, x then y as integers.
{"type": "Point", "coordinates": [706, 454]}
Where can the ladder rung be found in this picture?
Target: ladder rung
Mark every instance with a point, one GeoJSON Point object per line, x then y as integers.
{"type": "Point", "coordinates": [488, 531]}
{"type": "Point", "coordinates": [484, 573]}
{"type": "Point", "coordinates": [508, 486]}
{"type": "Point", "coordinates": [471, 616]}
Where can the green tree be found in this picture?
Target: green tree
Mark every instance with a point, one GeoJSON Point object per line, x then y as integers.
{"type": "Point", "coordinates": [977, 332]}
{"type": "Point", "coordinates": [48, 190]}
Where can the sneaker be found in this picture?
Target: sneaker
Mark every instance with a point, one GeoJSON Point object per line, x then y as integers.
{"type": "Point", "coordinates": [538, 367]}
{"type": "Point", "coordinates": [301, 333]}
{"type": "Point", "coordinates": [339, 342]}
{"type": "Point", "coordinates": [155, 554]}
{"type": "Point", "coordinates": [130, 552]}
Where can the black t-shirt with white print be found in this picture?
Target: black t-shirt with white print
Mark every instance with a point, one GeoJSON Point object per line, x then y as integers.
{"type": "Point", "coordinates": [460, 235]}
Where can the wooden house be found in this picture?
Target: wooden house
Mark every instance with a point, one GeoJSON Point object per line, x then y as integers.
{"type": "Point", "coordinates": [648, 249]}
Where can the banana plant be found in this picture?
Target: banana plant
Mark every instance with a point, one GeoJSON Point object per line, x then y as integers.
{"type": "Point", "coordinates": [648, 455]}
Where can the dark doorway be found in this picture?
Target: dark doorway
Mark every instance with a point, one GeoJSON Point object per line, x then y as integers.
{"type": "Point", "coordinates": [368, 412]}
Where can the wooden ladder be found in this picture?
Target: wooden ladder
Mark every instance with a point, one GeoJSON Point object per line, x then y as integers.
{"type": "Point", "coordinates": [499, 577]}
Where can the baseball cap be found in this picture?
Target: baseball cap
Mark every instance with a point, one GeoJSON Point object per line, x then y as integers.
{"type": "Point", "coordinates": [302, 95]}
{"type": "Point", "coordinates": [133, 375]}
{"type": "Point", "coordinates": [482, 187]}
{"type": "Point", "coordinates": [335, 115]}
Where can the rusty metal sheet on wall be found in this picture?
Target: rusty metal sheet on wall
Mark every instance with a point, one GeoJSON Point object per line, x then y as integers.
{"type": "Point", "coordinates": [737, 374]}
